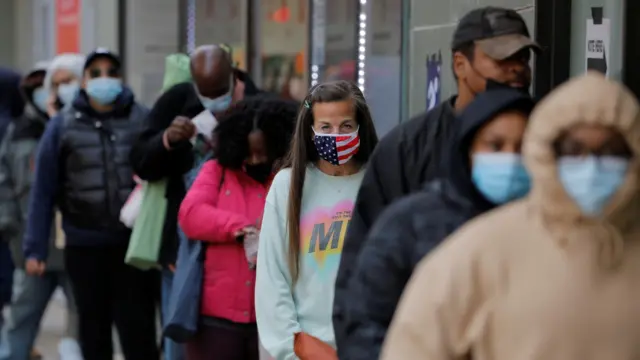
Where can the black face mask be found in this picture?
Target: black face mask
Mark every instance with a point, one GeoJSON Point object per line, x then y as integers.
{"type": "Point", "coordinates": [493, 85]}
{"type": "Point", "coordinates": [259, 172]}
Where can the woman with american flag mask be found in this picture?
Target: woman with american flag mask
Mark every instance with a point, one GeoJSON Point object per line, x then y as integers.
{"type": "Point", "coordinates": [306, 215]}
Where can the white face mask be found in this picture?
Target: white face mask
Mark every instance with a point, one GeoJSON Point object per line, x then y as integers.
{"type": "Point", "coordinates": [40, 98]}
{"type": "Point", "coordinates": [68, 92]}
{"type": "Point", "coordinates": [219, 104]}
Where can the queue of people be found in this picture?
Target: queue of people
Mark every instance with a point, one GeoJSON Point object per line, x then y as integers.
{"type": "Point", "coordinates": [550, 276]}
{"type": "Point", "coordinates": [490, 227]}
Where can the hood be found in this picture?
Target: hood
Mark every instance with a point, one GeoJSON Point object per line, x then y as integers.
{"type": "Point", "coordinates": [11, 101]}
{"type": "Point", "coordinates": [589, 99]}
{"type": "Point", "coordinates": [480, 112]}
{"type": "Point", "coordinates": [71, 62]}
{"type": "Point", "coordinates": [27, 88]}
{"type": "Point", "coordinates": [121, 108]}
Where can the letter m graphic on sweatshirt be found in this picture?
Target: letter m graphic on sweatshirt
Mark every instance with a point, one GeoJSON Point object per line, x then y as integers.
{"type": "Point", "coordinates": [320, 239]}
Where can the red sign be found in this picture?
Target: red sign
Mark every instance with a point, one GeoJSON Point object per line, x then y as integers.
{"type": "Point", "coordinates": [68, 26]}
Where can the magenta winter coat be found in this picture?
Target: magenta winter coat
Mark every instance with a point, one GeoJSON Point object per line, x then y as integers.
{"type": "Point", "coordinates": [213, 216]}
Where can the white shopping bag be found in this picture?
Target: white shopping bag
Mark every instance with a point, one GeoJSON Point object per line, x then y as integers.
{"type": "Point", "coordinates": [250, 243]}
{"type": "Point", "coordinates": [205, 122]}
{"type": "Point", "coordinates": [60, 236]}
{"type": "Point", "coordinates": [131, 208]}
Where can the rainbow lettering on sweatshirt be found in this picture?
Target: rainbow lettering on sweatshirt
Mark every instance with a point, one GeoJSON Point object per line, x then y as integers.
{"type": "Point", "coordinates": [322, 232]}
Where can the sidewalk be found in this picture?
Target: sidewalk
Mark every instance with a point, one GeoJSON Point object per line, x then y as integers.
{"type": "Point", "coordinates": [53, 326]}
{"type": "Point", "coordinates": [52, 330]}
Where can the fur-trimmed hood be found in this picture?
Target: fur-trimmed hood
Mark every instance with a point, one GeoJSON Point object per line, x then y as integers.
{"type": "Point", "coordinates": [589, 99]}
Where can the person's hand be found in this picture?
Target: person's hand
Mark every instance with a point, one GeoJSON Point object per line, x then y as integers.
{"type": "Point", "coordinates": [172, 267]}
{"type": "Point", "coordinates": [35, 267]}
{"type": "Point", "coordinates": [52, 108]}
{"type": "Point", "coordinates": [180, 129]}
{"type": "Point", "coordinates": [308, 347]}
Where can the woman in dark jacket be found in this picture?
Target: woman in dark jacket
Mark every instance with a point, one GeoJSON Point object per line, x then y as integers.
{"type": "Point", "coordinates": [485, 170]}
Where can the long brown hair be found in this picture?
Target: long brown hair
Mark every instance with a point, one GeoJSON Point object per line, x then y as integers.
{"type": "Point", "coordinates": [303, 152]}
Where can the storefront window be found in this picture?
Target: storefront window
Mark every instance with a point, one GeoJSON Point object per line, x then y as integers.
{"type": "Point", "coordinates": [334, 39]}
{"type": "Point", "coordinates": [283, 40]}
{"type": "Point", "coordinates": [341, 40]}
{"type": "Point", "coordinates": [383, 76]}
{"type": "Point", "coordinates": [223, 21]}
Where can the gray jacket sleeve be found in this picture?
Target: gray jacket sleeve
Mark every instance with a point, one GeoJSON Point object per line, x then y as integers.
{"type": "Point", "coordinates": [9, 205]}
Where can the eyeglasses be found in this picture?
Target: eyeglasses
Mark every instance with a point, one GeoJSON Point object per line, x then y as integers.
{"type": "Point", "coordinates": [109, 72]}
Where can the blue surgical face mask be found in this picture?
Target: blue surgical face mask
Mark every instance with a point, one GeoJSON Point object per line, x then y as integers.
{"type": "Point", "coordinates": [68, 92]}
{"type": "Point", "coordinates": [500, 177]}
{"type": "Point", "coordinates": [104, 90]}
{"type": "Point", "coordinates": [592, 181]}
{"type": "Point", "coordinates": [218, 104]}
{"type": "Point", "coordinates": [40, 97]}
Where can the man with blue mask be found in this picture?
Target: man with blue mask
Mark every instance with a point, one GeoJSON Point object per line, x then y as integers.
{"type": "Point", "coordinates": [102, 80]}
{"type": "Point", "coordinates": [82, 169]}
{"type": "Point", "coordinates": [164, 149]}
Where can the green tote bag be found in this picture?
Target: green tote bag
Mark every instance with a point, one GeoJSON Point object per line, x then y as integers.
{"type": "Point", "coordinates": [146, 237]}
{"type": "Point", "coordinates": [177, 69]}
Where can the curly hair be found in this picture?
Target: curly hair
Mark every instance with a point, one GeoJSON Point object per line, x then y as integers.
{"type": "Point", "coordinates": [275, 117]}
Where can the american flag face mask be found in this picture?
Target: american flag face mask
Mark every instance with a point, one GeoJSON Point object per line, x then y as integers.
{"type": "Point", "coordinates": [337, 149]}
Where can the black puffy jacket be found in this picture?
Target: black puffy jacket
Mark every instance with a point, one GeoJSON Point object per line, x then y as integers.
{"type": "Point", "coordinates": [94, 151]}
{"type": "Point", "coordinates": [411, 227]}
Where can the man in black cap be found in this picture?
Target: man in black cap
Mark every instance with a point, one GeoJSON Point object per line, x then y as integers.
{"type": "Point", "coordinates": [82, 168]}
{"type": "Point", "coordinates": [491, 47]}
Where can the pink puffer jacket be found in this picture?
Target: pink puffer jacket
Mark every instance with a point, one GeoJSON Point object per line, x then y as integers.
{"type": "Point", "coordinates": [213, 216]}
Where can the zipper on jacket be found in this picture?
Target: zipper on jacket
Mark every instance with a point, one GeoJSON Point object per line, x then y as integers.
{"type": "Point", "coordinates": [105, 137]}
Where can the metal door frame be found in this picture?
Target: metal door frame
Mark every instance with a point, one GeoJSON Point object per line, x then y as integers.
{"type": "Point", "coordinates": [553, 33]}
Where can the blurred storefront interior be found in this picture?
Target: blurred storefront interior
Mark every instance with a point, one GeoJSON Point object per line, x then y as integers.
{"type": "Point", "coordinates": [396, 50]}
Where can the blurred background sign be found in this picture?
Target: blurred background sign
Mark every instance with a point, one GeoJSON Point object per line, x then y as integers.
{"type": "Point", "coordinates": [68, 26]}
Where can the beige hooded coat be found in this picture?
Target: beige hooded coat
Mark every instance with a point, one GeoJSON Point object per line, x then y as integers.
{"type": "Point", "coordinates": [535, 280]}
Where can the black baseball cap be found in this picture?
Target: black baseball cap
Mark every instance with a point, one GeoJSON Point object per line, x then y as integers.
{"type": "Point", "coordinates": [102, 53]}
{"type": "Point", "coordinates": [499, 32]}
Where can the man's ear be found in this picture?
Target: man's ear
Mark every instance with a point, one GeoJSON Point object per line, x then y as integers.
{"type": "Point", "coordinates": [459, 65]}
